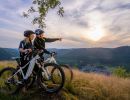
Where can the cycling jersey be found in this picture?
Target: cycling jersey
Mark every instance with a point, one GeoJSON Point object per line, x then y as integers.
{"type": "Point", "coordinates": [39, 43]}
{"type": "Point", "coordinates": [25, 45]}
{"type": "Point", "coordinates": [25, 57]}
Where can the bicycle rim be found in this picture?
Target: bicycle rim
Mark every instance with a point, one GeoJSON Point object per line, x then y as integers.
{"type": "Point", "coordinates": [8, 85]}
{"type": "Point", "coordinates": [48, 85]}
{"type": "Point", "coordinates": [68, 72]}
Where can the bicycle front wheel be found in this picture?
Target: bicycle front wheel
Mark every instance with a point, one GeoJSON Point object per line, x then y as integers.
{"type": "Point", "coordinates": [45, 79]}
{"type": "Point", "coordinates": [7, 82]}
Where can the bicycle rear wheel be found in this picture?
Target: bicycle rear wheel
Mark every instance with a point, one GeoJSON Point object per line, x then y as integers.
{"type": "Point", "coordinates": [68, 72]}
{"type": "Point", "coordinates": [46, 82]}
{"type": "Point", "coordinates": [7, 83]}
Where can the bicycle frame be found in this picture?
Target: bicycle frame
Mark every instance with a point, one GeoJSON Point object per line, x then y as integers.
{"type": "Point", "coordinates": [31, 64]}
{"type": "Point", "coordinates": [51, 60]}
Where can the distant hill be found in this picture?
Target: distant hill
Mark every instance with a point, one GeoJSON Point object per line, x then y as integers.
{"type": "Point", "coordinates": [7, 53]}
{"type": "Point", "coordinates": [83, 56]}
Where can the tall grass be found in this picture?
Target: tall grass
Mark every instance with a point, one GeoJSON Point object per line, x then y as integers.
{"type": "Point", "coordinates": [91, 86]}
{"type": "Point", "coordinates": [4, 64]}
{"type": "Point", "coordinates": [85, 86]}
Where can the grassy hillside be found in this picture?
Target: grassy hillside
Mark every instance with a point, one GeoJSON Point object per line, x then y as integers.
{"type": "Point", "coordinates": [7, 63]}
{"type": "Point", "coordinates": [85, 86]}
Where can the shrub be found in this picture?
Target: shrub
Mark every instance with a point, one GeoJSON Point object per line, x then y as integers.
{"type": "Point", "coordinates": [120, 72]}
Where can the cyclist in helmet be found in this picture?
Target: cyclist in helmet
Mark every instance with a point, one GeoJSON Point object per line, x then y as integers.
{"type": "Point", "coordinates": [25, 47]}
{"type": "Point", "coordinates": [39, 42]}
{"type": "Point", "coordinates": [25, 50]}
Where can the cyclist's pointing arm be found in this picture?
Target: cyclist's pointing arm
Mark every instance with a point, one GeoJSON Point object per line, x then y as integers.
{"type": "Point", "coordinates": [52, 39]}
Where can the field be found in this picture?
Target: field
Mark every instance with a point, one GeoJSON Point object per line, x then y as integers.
{"type": "Point", "coordinates": [85, 86]}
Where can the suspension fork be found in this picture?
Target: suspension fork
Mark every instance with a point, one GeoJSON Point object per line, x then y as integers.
{"type": "Point", "coordinates": [46, 72]}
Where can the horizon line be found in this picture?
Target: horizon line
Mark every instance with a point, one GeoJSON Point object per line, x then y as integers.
{"type": "Point", "coordinates": [77, 47]}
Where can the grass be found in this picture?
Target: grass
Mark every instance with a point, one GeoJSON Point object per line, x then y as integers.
{"type": "Point", "coordinates": [7, 64]}
{"type": "Point", "coordinates": [91, 86]}
{"type": "Point", "coordinates": [85, 86]}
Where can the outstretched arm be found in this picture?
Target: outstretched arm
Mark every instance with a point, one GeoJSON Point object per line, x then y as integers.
{"type": "Point", "coordinates": [52, 39]}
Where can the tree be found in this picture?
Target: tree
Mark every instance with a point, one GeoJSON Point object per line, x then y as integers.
{"type": "Point", "coordinates": [41, 8]}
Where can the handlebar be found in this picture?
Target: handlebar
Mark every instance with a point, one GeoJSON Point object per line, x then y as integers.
{"type": "Point", "coordinates": [53, 54]}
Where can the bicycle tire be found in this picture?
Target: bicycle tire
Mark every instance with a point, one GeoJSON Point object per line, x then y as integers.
{"type": "Point", "coordinates": [40, 82]}
{"type": "Point", "coordinates": [70, 70]}
{"type": "Point", "coordinates": [12, 70]}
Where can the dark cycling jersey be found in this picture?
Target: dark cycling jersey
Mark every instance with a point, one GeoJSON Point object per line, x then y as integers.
{"type": "Point", "coordinates": [25, 57]}
{"type": "Point", "coordinates": [39, 43]}
{"type": "Point", "coordinates": [25, 45]}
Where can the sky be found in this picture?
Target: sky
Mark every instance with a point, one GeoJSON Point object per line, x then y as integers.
{"type": "Point", "coordinates": [86, 23]}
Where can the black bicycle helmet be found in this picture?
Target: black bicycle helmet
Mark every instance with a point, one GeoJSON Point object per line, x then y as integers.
{"type": "Point", "coordinates": [38, 31]}
{"type": "Point", "coordinates": [27, 33]}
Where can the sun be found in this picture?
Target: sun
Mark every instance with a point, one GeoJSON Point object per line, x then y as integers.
{"type": "Point", "coordinates": [96, 34]}
{"type": "Point", "coordinates": [96, 30]}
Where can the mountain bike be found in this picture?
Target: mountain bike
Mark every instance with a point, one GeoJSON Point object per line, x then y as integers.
{"type": "Point", "coordinates": [12, 80]}
{"type": "Point", "coordinates": [66, 68]}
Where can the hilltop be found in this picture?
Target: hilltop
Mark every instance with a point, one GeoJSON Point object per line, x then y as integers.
{"type": "Point", "coordinates": [85, 86]}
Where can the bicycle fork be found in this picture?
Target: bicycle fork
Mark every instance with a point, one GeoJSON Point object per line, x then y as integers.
{"type": "Point", "coordinates": [46, 73]}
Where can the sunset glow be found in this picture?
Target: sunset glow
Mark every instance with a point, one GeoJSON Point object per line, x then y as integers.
{"type": "Point", "coordinates": [88, 23]}
{"type": "Point", "coordinates": [96, 28]}
{"type": "Point", "coordinates": [96, 34]}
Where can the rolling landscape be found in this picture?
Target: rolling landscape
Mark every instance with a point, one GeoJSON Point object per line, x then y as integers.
{"type": "Point", "coordinates": [119, 56]}
{"type": "Point", "coordinates": [89, 86]}
{"type": "Point", "coordinates": [91, 39]}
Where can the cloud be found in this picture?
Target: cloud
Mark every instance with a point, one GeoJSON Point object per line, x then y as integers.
{"type": "Point", "coordinates": [13, 23]}
{"type": "Point", "coordinates": [112, 16]}
{"type": "Point", "coordinates": [10, 33]}
{"type": "Point", "coordinates": [81, 19]}
{"type": "Point", "coordinates": [10, 38]}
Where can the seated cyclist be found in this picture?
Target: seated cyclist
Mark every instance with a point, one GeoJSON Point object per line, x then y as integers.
{"type": "Point", "coordinates": [25, 48]}
{"type": "Point", "coordinates": [40, 40]}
